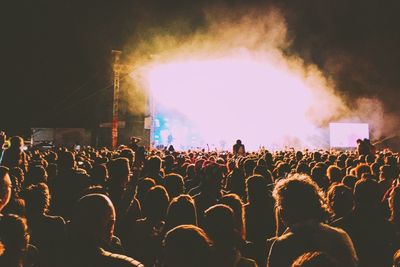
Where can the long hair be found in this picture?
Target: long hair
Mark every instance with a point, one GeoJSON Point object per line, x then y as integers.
{"type": "Point", "coordinates": [394, 204]}
{"type": "Point", "coordinates": [298, 199]}
{"type": "Point", "coordinates": [236, 204]}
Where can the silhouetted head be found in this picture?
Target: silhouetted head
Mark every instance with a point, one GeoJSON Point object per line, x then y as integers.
{"type": "Point", "coordinates": [212, 177]}
{"type": "Point", "coordinates": [128, 154]}
{"type": "Point", "coordinates": [349, 181]}
{"type": "Point", "coordinates": [66, 160]}
{"type": "Point", "coordinates": [186, 246]}
{"type": "Point", "coordinates": [257, 190]}
{"type": "Point", "coordinates": [174, 185]}
{"type": "Point", "coordinates": [119, 171]}
{"type": "Point", "coordinates": [154, 164]}
{"type": "Point", "coordinates": [318, 174]}
{"type": "Point", "coordinates": [37, 199]}
{"type": "Point", "coordinates": [94, 219]}
{"type": "Point", "coordinates": [143, 187]}
{"type": "Point", "coordinates": [14, 235]}
{"type": "Point", "coordinates": [16, 142]}
{"type": "Point", "coordinates": [36, 174]}
{"type": "Point", "coordinates": [367, 194]}
{"type": "Point", "coordinates": [248, 166]}
{"type": "Point", "coordinates": [340, 199]}
{"type": "Point", "coordinates": [5, 187]}
{"type": "Point", "coordinates": [299, 199]}
{"type": "Point", "coordinates": [169, 161]}
{"type": "Point", "coordinates": [236, 182]}
{"type": "Point", "coordinates": [238, 142]}
{"type": "Point", "coordinates": [181, 210]}
{"type": "Point", "coordinates": [361, 169]}
{"type": "Point", "coordinates": [99, 174]}
{"type": "Point", "coordinates": [263, 171]}
{"type": "Point", "coordinates": [387, 172]}
{"type": "Point", "coordinates": [303, 168]}
{"type": "Point", "coordinates": [219, 224]}
{"type": "Point", "coordinates": [156, 204]}
{"type": "Point", "coordinates": [236, 204]}
{"type": "Point", "coordinates": [334, 174]}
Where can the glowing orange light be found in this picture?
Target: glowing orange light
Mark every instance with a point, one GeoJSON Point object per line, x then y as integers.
{"type": "Point", "coordinates": [238, 95]}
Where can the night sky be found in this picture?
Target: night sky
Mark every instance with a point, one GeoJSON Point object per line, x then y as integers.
{"type": "Point", "coordinates": [55, 54]}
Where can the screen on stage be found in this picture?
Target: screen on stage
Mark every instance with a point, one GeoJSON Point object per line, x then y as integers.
{"type": "Point", "coordinates": [345, 135]}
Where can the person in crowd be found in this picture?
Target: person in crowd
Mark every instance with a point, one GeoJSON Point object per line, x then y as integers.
{"type": "Point", "coordinates": [187, 246]}
{"type": "Point", "coordinates": [3, 139]}
{"type": "Point", "coordinates": [19, 175]}
{"type": "Point", "coordinates": [236, 204]}
{"type": "Point", "coordinates": [335, 174]}
{"type": "Point", "coordinates": [396, 259]}
{"type": "Point", "coordinates": [142, 188]}
{"type": "Point", "coordinates": [134, 143]}
{"type": "Point", "coordinates": [174, 184]}
{"type": "Point", "coordinates": [119, 177]}
{"type": "Point", "coordinates": [350, 181]}
{"type": "Point", "coordinates": [290, 225]}
{"type": "Point", "coordinates": [363, 147]}
{"type": "Point", "coordinates": [260, 216]}
{"type": "Point", "coordinates": [368, 228]}
{"type": "Point", "coordinates": [5, 187]}
{"type": "Point", "coordinates": [210, 192]}
{"type": "Point", "coordinates": [181, 210]}
{"type": "Point", "coordinates": [68, 185]}
{"type": "Point", "coordinates": [394, 205]}
{"type": "Point", "coordinates": [236, 183]}
{"type": "Point", "coordinates": [301, 206]}
{"type": "Point", "coordinates": [169, 162]}
{"type": "Point", "coordinates": [387, 175]}
{"type": "Point", "coordinates": [15, 250]}
{"type": "Point", "coordinates": [318, 175]}
{"type": "Point", "coordinates": [36, 174]}
{"type": "Point", "coordinates": [154, 170]}
{"type": "Point", "coordinates": [14, 156]}
{"type": "Point", "coordinates": [191, 179]}
{"type": "Point", "coordinates": [340, 201]}
{"type": "Point", "coordinates": [91, 230]}
{"type": "Point", "coordinates": [219, 224]}
{"type": "Point", "coordinates": [362, 169]}
{"type": "Point", "coordinates": [145, 237]}
{"type": "Point", "coordinates": [239, 149]}
{"type": "Point", "coordinates": [47, 232]}
{"type": "Point", "coordinates": [129, 155]}
{"type": "Point", "coordinates": [99, 175]}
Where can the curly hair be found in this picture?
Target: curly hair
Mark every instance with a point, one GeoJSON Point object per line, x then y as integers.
{"type": "Point", "coordinates": [298, 198]}
{"type": "Point", "coordinates": [37, 199]}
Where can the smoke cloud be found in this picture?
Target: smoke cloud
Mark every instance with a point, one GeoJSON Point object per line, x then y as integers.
{"type": "Point", "coordinates": [293, 113]}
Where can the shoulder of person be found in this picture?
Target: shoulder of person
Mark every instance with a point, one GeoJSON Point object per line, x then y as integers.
{"type": "Point", "coordinates": [119, 260]}
{"type": "Point", "coordinates": [245, 262]}
{"type": "Point", "coordinates": [55, 219]}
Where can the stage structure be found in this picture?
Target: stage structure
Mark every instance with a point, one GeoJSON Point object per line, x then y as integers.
{"type": "Point", "coordinates": [117, 67]}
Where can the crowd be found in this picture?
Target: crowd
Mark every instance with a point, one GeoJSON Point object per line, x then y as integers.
{"type": "Point", "coordinates": [132, 207]}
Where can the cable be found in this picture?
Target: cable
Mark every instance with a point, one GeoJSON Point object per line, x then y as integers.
{"type": "Point", "coordinates": [88, 96]}
{"type": "Point", "coordinates": [83, 85]}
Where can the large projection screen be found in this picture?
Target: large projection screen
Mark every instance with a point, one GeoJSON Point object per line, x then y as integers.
{"type": "Point", "coordinates": [345, 135]}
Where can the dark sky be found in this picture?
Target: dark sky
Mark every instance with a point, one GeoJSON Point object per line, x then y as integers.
{"type": "Point", "coordinates": [55, 54]}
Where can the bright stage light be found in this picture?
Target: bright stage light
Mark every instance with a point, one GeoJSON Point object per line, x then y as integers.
{"type": "Point", "coordinates": [247, 96]}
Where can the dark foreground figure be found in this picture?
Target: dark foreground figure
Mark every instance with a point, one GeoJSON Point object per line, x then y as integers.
{"type": "Point", "coordinates": [132, 207]}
